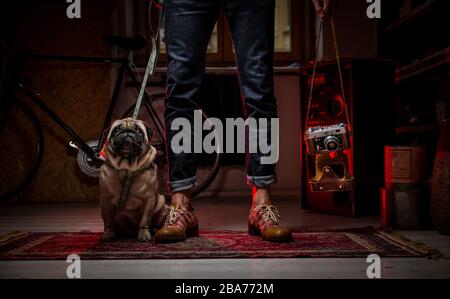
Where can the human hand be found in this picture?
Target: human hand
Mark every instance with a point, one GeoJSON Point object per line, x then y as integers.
{"type": "Point", "coordinates": [321, 10]}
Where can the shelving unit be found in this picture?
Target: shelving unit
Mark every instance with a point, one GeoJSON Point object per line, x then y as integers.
{"type": "Point", "coordinates": [425, 64]}
{"type": "Point", "coordinates": [414, 34]}
{"type": "Point", "coordinates": [417, 12]}
{"type": "Point", "coordinates": [418, 41]}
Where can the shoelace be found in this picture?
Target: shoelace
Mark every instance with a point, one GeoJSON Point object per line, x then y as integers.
{"type": "Point", "coordinates": [269, 212]}
{"type": "Point", "coordinates": [173, 215]}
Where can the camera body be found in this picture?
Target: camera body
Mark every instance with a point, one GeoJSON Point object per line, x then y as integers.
{"type": "Point", "coordinates": [327, 139]}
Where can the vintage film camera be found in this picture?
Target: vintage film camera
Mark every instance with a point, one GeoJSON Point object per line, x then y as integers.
{"type": "Point", "coordinates": [327, 144]}
{"type": "Point", "coordinates": [327, 139]}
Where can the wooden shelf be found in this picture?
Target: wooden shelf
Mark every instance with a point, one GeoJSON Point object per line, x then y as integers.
{"type": "Point", "coordinates": [425, 64]}
{"type": "Point", "coordinates": [416, 128]}
{"type": "Point", "coordinates": [412, 16]}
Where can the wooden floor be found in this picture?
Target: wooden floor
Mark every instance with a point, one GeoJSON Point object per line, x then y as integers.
{"type": "Point", "coordinates": [223, 214]}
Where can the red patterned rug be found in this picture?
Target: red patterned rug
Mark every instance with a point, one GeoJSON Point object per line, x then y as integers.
{"type": "Point", "coordinates": [210, 244]}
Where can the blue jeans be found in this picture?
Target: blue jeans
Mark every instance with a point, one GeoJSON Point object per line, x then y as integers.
{"type": "Point", "coordinates": [188, 27]}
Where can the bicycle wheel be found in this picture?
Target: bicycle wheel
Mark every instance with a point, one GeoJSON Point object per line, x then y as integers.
{"type": "Point", "coordinates": [21, 149]}
{"type": "Point", "coordinates": [207, 164]}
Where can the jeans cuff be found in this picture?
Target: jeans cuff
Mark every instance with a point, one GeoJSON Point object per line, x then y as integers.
{"type": "Point", "coordinates": [183, 185]}
{"type": "Point", "coordinates": [261, 181]}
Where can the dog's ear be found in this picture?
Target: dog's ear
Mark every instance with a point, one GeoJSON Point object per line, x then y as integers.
{"type": "Point", "coordinates": [114, 125]}
{"type": "Point", "coordinates": [148, 129]}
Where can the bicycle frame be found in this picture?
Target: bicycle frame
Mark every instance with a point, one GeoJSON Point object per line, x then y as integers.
{"type": "Point", "coordinates": [124, 67]}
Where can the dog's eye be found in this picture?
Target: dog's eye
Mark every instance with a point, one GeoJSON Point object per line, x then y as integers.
{"type": "Point", "coordinates": [115, 131]}
{"type": "Point", "coordinates": [140, 131]}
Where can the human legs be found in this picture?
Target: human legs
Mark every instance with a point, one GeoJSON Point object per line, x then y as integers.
{"type": "Point", "coordinates": [252, 27]}
{"type": "Point", "coordinates": [189, 24]}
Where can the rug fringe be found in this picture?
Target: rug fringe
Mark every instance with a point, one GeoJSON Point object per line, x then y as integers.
{"type": "Point", "coordinates": [429, 252]}
{"type": "Point", "coordinates": [12, 235]}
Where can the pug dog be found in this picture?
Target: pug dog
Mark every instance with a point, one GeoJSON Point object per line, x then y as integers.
{"type": "Point", "coordinates": [130, 209]}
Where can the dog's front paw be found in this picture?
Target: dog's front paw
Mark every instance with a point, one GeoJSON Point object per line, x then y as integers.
{"type": "Point", "coordinates": [144, 235]}
{"type": "Point", "coordinates": [108, 235]}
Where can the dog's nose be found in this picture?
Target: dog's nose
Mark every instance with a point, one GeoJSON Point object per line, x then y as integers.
{"type": "Point", "coordinates": [127, 141]}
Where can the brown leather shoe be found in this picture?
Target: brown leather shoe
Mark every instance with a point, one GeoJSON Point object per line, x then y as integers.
{"type": "Point", "coordinates": [264, 221]}
{"type": "Point", "coordinates": [180, 223]}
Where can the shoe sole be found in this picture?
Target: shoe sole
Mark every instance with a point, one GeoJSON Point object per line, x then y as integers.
{"type": "Point", "coordinates": [279, 240]}
{"type": "Point", "coordinates": [194, 232]}
{"type": "Point", "coordinates": [252, 231]}
{"type": "Point", "coordinates": [167, 240]}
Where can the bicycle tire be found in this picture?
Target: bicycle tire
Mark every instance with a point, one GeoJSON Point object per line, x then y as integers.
{"type": "Point", "coordinates": [37, 152]}
{"type": "Point", "coordinates": [203, 184]}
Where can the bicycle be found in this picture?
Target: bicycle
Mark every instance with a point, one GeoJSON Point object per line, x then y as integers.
{"type": "Point", "coordinates": [22, 139]}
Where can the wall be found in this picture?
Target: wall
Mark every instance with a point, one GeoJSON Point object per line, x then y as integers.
{"type": "Point", "coordinates": [356, 33]}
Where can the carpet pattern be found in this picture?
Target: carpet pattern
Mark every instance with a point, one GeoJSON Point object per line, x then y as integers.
{"type": "Point", "coordinates": [210, 244]}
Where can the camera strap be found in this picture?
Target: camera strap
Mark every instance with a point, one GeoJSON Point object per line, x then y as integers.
{"type": "Point", "coordinates": [338, 62]}
{"type": "Point", "coordinates": [149, 70]}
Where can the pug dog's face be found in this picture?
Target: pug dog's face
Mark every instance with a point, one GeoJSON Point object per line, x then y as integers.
{"type": "Point", "coordinates": [128, 138]}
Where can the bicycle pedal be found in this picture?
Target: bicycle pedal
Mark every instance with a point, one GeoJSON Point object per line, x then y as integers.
{"type": "Point", "coordinates": [73, 145]}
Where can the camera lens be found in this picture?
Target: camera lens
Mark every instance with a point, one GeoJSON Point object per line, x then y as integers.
{"type": "Point", "coordinates": [331, 143]}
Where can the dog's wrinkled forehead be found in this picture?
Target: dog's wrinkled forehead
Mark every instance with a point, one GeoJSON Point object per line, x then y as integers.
{"type": "Point", "coordinates": [128, 123]}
